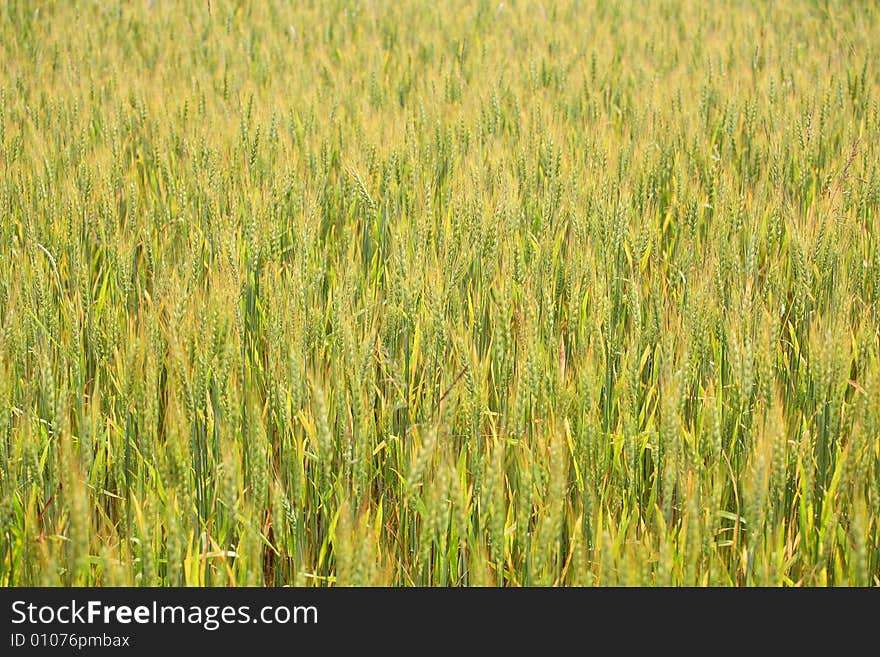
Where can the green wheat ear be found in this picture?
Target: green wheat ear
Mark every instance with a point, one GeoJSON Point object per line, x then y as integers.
{"type": "Point", "coordinates": [321, 296]}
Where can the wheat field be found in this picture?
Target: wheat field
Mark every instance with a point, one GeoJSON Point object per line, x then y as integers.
{"type": "Point", "coordinates": [369, 293]}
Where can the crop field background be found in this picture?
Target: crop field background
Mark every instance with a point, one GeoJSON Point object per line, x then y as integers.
{"type": "Point", "coordinates": [374, 293]}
